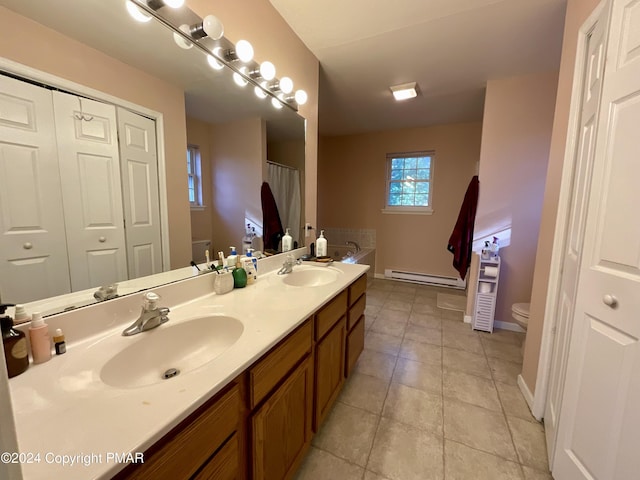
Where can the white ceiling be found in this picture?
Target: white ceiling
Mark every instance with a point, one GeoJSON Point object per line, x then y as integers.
{"type": "Point", "coordinates": [449, 47]}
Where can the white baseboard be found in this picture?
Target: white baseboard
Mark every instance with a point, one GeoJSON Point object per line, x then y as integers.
{"type": "Point", "coordinates": [526, 393]}
{"type": "Point", "coordinates": [514, 327]}
{"type": "Point", "coordinates": [468, 319]}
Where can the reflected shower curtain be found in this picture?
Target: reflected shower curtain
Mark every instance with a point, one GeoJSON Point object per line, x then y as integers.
{"type": "Point", "coordinates": [285, 185]}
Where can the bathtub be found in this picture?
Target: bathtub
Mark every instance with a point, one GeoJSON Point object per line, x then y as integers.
{"type": "Point", "coordinates": [348, 254]}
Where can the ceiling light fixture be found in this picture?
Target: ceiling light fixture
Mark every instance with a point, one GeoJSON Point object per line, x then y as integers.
{"type": "Point", "coordinates": [267, 71]}
{"type": "Point", "coordinates": [404, 91]}
{"type": "Point", "coordinates": [300, 97]}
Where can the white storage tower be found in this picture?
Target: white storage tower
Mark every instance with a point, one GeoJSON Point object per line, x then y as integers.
{"type": "Point", "coordinates": [486, 291]}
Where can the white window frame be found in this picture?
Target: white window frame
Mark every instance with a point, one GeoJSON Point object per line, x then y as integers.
{"type": "Point", "coordinates": [193, 157]}
{"type": "Point", "coordinates": [406, 209]}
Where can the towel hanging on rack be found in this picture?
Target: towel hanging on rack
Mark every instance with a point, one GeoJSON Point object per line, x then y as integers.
{"type": "Point", "coordinates": [461, 238]}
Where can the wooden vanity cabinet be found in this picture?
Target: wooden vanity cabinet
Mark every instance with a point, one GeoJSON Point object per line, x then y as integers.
{"type": "Point", "coordinates": [330, 329]}
{"type": "Point", "coordinates": [355, 322]}
{"type": "Point", "coordinates": [281, 397]}
{"type": "Point", "coordinates": [206, 441]}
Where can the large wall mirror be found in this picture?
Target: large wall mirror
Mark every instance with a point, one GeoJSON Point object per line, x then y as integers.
{"type": "Point", "coordinates": [236, 140]}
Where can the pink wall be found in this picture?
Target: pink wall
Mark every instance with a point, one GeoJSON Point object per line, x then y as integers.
{"type": "Point", "coordinates": [238, 154]}
{"type": "Point", "coordinates": [577, 13]}
{"type": "Point", "coordinates": [199, 133]}
{"type": "Point", "coordinates": [29, 43]}
{"type": "Point", "coordinates": [516, 134]}
{"type": "Point", "coordinates": [351, 186]}
{"type": "Point", "coordinates": [258, 22]}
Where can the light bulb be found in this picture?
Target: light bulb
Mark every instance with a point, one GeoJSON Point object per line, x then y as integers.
{"type": "Point", "coordinates": [239, 79]}
{"type": "Point", "coordinates": [244, 51]}
{"type": "Point", "coordinates": [180, 40]}
{"type": "Point", "coordinates": [173, 3]}
{"type": "Point", "coordinates": [260, 93]}
{"type": "Point", "coordinates": [136, 13]}
{"type": "Point", "coordinates": [301, 97]}
{"type": "Point", "coordinates": [286, 85]}
{"type": "Point", "coordinates": [213, 27]}
{"type": "Point", "coordinates": [267, 70]}
{"type": "Point", "coordinates": [276, 103]}
{"type": "Point", "coordinates": [213, 63]}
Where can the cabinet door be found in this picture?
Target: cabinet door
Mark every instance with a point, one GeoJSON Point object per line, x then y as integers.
{"type": "Point", "coordinates": [282, 426]}
{"type": "Point", "coordinates": [330, 360]}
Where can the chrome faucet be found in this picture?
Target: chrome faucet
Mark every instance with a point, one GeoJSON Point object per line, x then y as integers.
{"type": "Point", "coordinates": [150, 317]}
{"type": "Point", "coordinates": [289, 263]}
{"type": "Point", "coordinates": [355, 245]}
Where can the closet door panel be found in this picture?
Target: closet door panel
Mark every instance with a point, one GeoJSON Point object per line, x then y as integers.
{"type": "Point", "coordinates": [139, 166]}
{"type": "Point", "coordinates": [90, 171]}
{"type": "Point", "coordinates": [33, 253]}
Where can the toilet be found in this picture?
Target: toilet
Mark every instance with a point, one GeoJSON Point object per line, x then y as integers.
{"type": "Point", "coordinates": [520, 313]}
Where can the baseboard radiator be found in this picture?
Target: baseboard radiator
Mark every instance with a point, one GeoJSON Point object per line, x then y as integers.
{"type": "Point", "coordinates": [425, 279]}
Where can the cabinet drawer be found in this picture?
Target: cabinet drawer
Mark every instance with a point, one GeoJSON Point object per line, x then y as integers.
{"type": "Point", "coordinates": [357, 288]}
{"type": "Point", "coordinates": [356, 311]}
{"type": "Point", "coordinates": [330, 314]}
{"type": "Point", "coordinates": [275, 365]}
{"type": "Point", "coordinates": [186, 451]}
{"type": "Point", "coordinates": [355, 345]}
{"type": "Point", "coordinates": [224, 465]}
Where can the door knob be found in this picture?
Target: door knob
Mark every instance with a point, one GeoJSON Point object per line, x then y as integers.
{"type": "Point", "coordinates": [610, 300]}
{"type": "Point", "coordinates": [102, 239]}
{"type": "Point", "coordinates": [27, 246]}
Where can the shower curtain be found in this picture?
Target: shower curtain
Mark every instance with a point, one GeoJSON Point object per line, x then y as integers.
{"type": "Point", "coordinates": [285, 185]}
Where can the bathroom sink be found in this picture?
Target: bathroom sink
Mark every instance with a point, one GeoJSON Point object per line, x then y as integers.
{"type": "Point", "coordinates": [305, 276]}
{"type": "Point", "coordinates": [155, 356]}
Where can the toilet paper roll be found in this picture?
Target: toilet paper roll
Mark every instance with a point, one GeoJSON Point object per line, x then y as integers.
{"type": "Point", "coordinates": [484, 287]}
{"type": "Point", "coordinates": [491, 272]}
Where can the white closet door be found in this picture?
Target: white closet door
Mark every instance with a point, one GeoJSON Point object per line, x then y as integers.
{"type": "Point", "coordinates": [139, 168]}
{"type": "Point", "coordinates": [92, 199]}
{"type": "Point", "coordinates": [583, 166]}
{"type": "Point", "coordinates": [33, 253]}
{"type": "Point", "coordinates": [599, 428]}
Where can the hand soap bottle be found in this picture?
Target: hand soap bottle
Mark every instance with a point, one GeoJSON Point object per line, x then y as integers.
{"type": "Point", "coordinates": [40, 339]}
{"type": "Point", "coordinates": [249, 266]}
{"type": "Point", "coordinates": [16, 354]}
{"type": "Point", "coordinates": [286, 242]}
{"type": "Point", "coordinates": [232, 259]}
{"type": "Point", "coordinates": [321, 245]}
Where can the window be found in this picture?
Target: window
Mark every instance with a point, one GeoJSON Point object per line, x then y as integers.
{"type": "Point", "coordinates": [194, 176]}
{"type": "Point", "coordinates": [409, 183]}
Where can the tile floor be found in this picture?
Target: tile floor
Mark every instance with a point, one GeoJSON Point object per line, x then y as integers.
{"type": "Point", "coordinates": [429, 399]}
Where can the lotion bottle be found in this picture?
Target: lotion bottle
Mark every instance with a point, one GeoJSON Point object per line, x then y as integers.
{"type": "Point", "coordinates": [321, 245]}
{"type": "Point", "coordinates": [286, 242]}
{"type": "Point", "coordinates": [40, 339]}
{"type": "Point", "coordinates": [16, 353]}
{"type": "Point", "coordinates": [232, 259]}
{"type": "Point", "coordinates": [250, 267]}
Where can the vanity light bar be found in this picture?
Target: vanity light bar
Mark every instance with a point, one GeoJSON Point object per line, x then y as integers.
{"type": "Point", "coordinates": [207, 35]}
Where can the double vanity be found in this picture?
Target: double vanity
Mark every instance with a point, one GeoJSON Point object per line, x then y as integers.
{"type": "Point", "coordinates": [232, 386]}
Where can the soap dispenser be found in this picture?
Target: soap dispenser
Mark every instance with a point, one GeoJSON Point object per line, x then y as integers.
{"type": "Point", "coordinates": [321, 245]}
{"type": "Point", "coordinates": [232, 259]}
{"type": "Point", "coordinates": [16, 353]}
{"type": "Point", "coordinates": [286, 242]}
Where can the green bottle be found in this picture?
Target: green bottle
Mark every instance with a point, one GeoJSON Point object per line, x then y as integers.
{"type": "Point", "coordinates": [239, 278]}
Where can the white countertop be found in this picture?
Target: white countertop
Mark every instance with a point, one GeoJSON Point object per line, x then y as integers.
{"type": "Point", "coordinates": [62, 408]}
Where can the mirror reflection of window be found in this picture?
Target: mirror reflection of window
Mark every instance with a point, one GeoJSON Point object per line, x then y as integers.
{"type": "Point", "coordinates": [194, 173]}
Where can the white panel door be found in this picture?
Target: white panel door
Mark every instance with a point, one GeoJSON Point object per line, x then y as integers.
{"type": "Point", "coordinates": [574, 239]}
{"type": "Point", "coordinates": [90, 173]}
{"type": "Point", "coordinates": [599, 427]}
{"type": "Point", "coordinates": [33, 252]}
{"type": "Point", "coordinates": [139, 168]}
